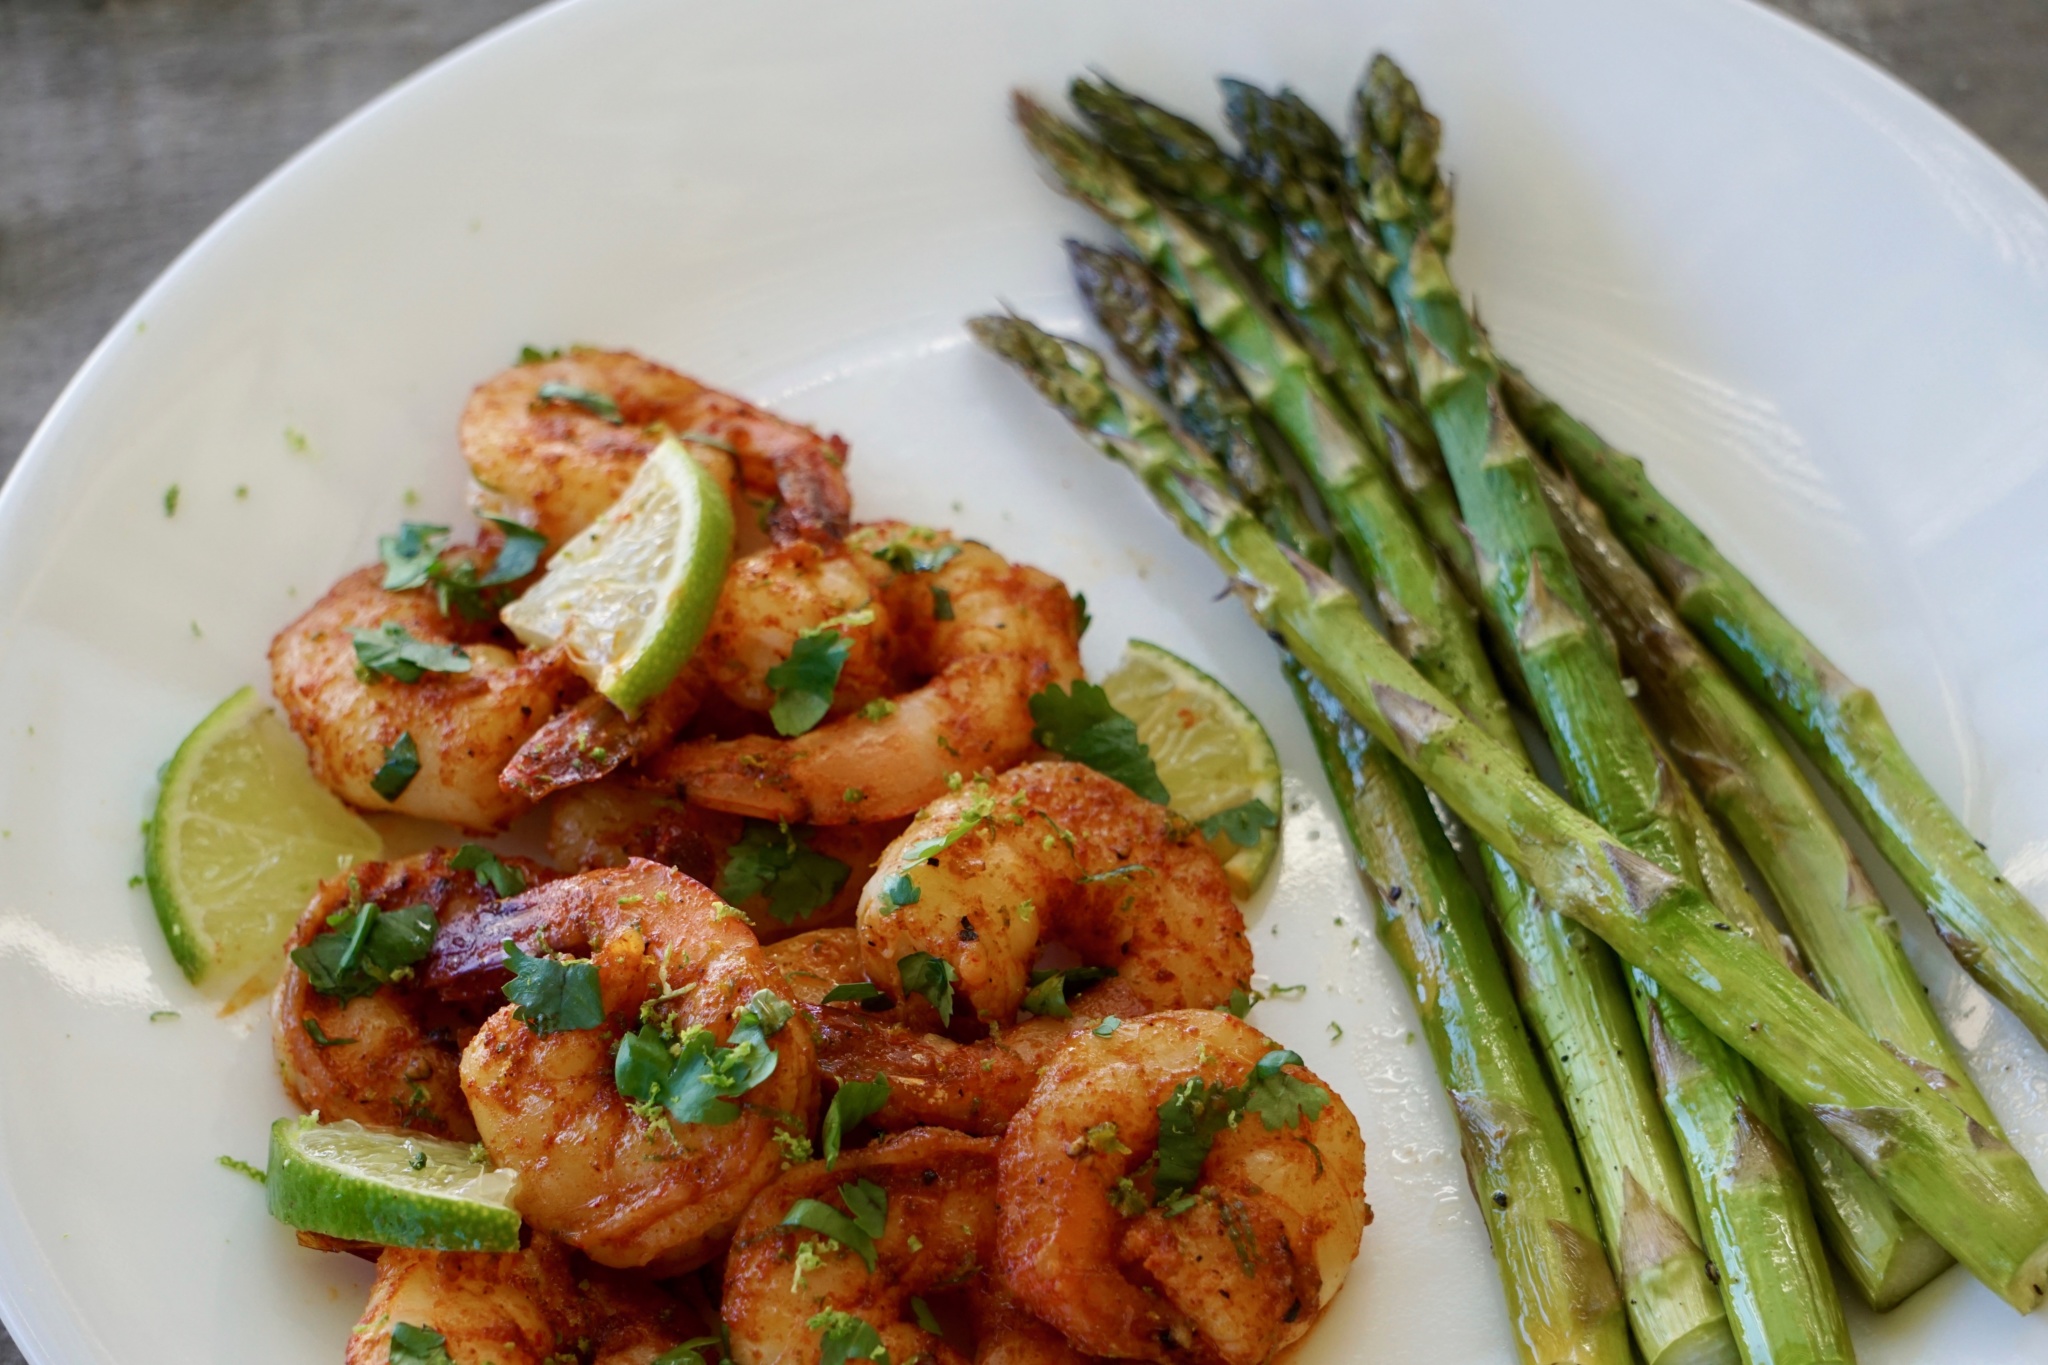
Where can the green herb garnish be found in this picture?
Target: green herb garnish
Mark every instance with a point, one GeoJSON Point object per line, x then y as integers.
{"type": "Point", "coordinates": [319, 1035]}
{"type": "Point", "coordinates": [365, 947]}
{"type": "Point", "coordinates": [693, 1077]}
{"type": "Point", "coordinates": [867, 1216]}
{"type": "Point", "coordinates": [804, 682]}
{"type": "Point", "coordinates": [856, 991]}
{"type": "Point", "coordinates": [771, 859]}
{"type": "Point", "coordinates": [392, 651]}
{"type": "Point", "coordinates": [844, 1338]}
{"type": "Point", "coordinates": [853, 1102]}
{"type": "Point", "coordinates": [412, 1345]}
{"type": "Point", "coordinates": [1242, 824]}
{"type": "Point", "coordinates": [931, 977]}
{"type": "Point", "coordinates": [401, 765]}
{"type": "Point", "coordinates": [904, 557]}
{"type": "Point", "coordinates": [1083, 726]}
{"type": "Point", "coordinates": [590, 400]}
{"type": "Point", "coordinates": [552, 994]}
{"type": "Point", "coordinates": [503, 878]}
{"type": "Point", "coordinates": [1048, 993]}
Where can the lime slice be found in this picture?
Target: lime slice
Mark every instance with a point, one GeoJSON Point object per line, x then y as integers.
{"type": "Point", "coordinates": [392, 1188]}
{"type": "Point", "coordinates": [631, 594]}
{"type": "Point", "coordinates": [242, 836]}
{"type": "Point", "coordinates": [1212, 754]}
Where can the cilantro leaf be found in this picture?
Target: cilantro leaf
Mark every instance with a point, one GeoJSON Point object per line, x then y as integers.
{"type": "Point", "coordinates": [392, 650]}
{"type": "Point", "coordinates": [976, 812]}
{"type": "Point", "coordinates": [1189, 1121]}
{"type": "Point", "coordinates": [942, 604]}
{"type": "Point", "coordinates": [770, 858]}
{"type": "Point", "coordinates": [502, 877]}
{"type": "Point", "coordinates": [931, 977]}
{"type": "Point", "coordinates": [1083, 726]}
{"type": "Point", "coordinates": [690, 1352]}
{"type": "Point", "coordinates": [695, 1078]}
{"type": "Point", "coordinates": [1241, 1001]}
{"type": "Point", "coordinates": [1114, 874]}
{"type": "Point", "coordinates": [590, 400]}
{"type": "Point", "coordinates": [1081, 614]}
{"type": "Point", "coordinates": [412, 1345]}
{"type": "Point", "coordinates": [867, 1216]}
{"type": "Point", "coordinates": [1108, 1026]}
{"type": "Point", "coordinates": [923, 1312]}
{"type": "Point", "coordinates": [804, 682]}
{"type": "Point", "coordinates": [1242, 823]}
{"type": "Point", "coordinates": [401, 765]}
{"type": "Point", "coordinates": [904, 557]}
{"type": "Point", "coordinates": [856, 991]}
{"type": "Point", "coordinates": [410, 555]}
{"type": "Point", "coordinates": [534, 355]}
{"type": "Point", "coordinates": [365, 947]}
{"type": "Point", "coordinates": [844, 1338]}
{"type": "Point", "coordinates": [319, 1035]}
{"type": "Point", "coordinates": [854, 1102]}
{"type": "Point", "coordinates": [900, 891]}
{"type": "Point", "coordinates": [518, 556]}
{"type": "Point", "coordinates": [1048, 993]}
{"type": "Point", "coordinates": [1280, 1099]}
{"type": "Point", "coordinates": [552, 995]}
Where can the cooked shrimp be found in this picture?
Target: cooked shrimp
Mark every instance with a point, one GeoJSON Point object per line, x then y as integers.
{"type": "Point", "coordinates": [1006, 1333]}
{"type": "Point", "coordinates": [592, 738]}
{"type": "Point", "coordinates": [968, 1087]}
{"type": "Point", "coordinates": [465, 726]}
{"type": "Point", "coordinates": [391, 1057]}
{"type": "Point", "coordinates": [593, 1168]}
{"type": "Point", "coordinates": [1229, 1271]}
{"type": "Point", "coordinates": [786, 880]}
{"type": "Point", "coordinates": [987, 634]}
{"type": "Point", "coordinates": [559, 462]}
{"type": "Point", "coordinates": [777, 594]}
{"type": "Point", "coordinates": [938, 1231]}
{"type": "Point", "coordinates": [532, 1307]}
{"type": "Point", "coordinates": [1054, 852]}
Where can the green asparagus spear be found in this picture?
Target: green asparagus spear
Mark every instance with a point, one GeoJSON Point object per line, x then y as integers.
{"type": "Point", "coordinates": [1972, 1192]}
{"type": "Point", "coordinates": [1570, 987]}
{"type": "Point", "coordinates": [1761, 1231]}
{"type": "Point", "coordinates": [1562, 1301]}
{"type": "Point", "coordinates": [1747, 776]}
{"type": "Point", "coordinates": [1998, 937]}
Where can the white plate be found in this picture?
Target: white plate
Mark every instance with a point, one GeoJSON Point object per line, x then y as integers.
{"type": "Point", "coordinates": [1816, 304]}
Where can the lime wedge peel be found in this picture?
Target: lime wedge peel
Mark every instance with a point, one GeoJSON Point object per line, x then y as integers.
{"type": "Point", "coordinates": [1211, 751]}
{"type": "Point", "coordinates": [388, 1187]}
{"type": "Point", "coordinates": [631, 594]}
{"type": "Point", "coordinates": [241, 837]}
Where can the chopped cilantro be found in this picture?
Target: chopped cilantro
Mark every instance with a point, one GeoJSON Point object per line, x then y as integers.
{"type": "Point", "coordinates": [171, 501]}
{"type": "Point", "coordinates": [1336, 1032]}
{"type": "Point", "coordinates": [866, 1217]}
{"type": "Point", "coordinates": [413, 559]}
{"type": "Point", "coordinates": [856, 991]}
{"type": "Point", "coordinates": [804, 682]}
{"type": "Point", "coordinates": [410, 555]}
{"type": "Point", "coordinates": [923, 1312]}
{"type": "Point", "coordinates": [163, 1016]}
{"type": "Point", "coordinates": [392, 651]}
{"type": "Point", "coordinates": [1280, 1099]}
{"type": "Point", "coordinates": [401, 765]}
{"type": "Point", "coordinates": [1280, 992]}
{"type": "Point", "coordinates": [976, 812]}
{"type": "Point", "coordinates": [1189, 1122]}
{"type": "Point", "coordinates": [854, 1102]}
{"type": "Point", "coordinates": [694, 1078]}
{"type": "Point", "coordinates": [907, 558]}
{"type": "Point", "coordinates": [1048, 993]}
{"type": "Point", "coordinates": [1083, 726]}
{"type": "Point", "coordinates": [1108, 1026]}
{"type": "Point", "coordinates": [690, 1352]}
{"type": "Point", "coordinates": [534, 355]}
{"type": "Point", "coordinates": [899, 891]}
{"type": "Point", "coordinates": [1102, 1137]}
{"type": "Point", "coordinates": [241, 1167]}
{"type": "Point", "coordinates": [1081, 614]}
{"type": "Point", "coordinates": [1242, 824]}
{"type": "Point", "coordinates": [844, 1338]}
{"type": "Point", "coordinates": [552, 994]}
{"type": "Point", "coordinates": [412, 1345]}
{"type": "Point", "coordinates": [518, 556]}
{"type": "Point", "coordinates": [590, 400]}
{"type": "Point", "coordinates": [931, 977]}
{"type": "Point", "coordinates": [881, 708]}
{"type": "Point", "coordinates": [319, 1035]}
{"type": "Point", "coordinates": [942, 604]}
{"type": "Point", "coordinates": [1114, 874]}
{"type": "Point", "coordinates": [771, 859]}
{"type": "Point", "coordinates": [503, 878]}
{"type": "Point", "coordinates": [1126, 1198]}
{"type": "Point", "coordinates": [365, 947]}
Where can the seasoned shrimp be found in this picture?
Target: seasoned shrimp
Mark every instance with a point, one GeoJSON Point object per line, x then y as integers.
{"type": "Point", "coordinates": [1054, 852]}
{"type": "Point", "coordinates": [464, 726]}
{"type": "Point", "coordinates": [559, 461]}
{"type": "Point", "coordinates": [937, 1232]}
{"type": "Point", "coordinates": [1229, 1266]}
{"type": "Point", "coordinates": [987, 634]}
{"type": "Point", "coordinates": [626, 1183]}
{"type": "Point", "coordinates": [1006, 1333]}
{"type": "Point", "coordinates": [538, 1306]}
{"type": "Point", "coordinates": [390, 1057]}
{"type": "Point", "coordinates": [593, 738]}
{"type": "Point", "coordinates": [775, 595]}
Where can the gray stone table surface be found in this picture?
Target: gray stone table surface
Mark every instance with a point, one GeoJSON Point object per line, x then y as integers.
{"type": "Point", "coordinates": [126, 126]}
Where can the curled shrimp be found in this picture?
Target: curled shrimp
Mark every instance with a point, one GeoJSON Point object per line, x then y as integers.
{"type": "Point", "coordinates": [987, 634]}
{"type": "Point", "coordinates": [389, 1057]}
{"type": "Point", "coordinates": [787, 1287]}
{"type": "Point", "coordinates": [592, 738]}
{"type": "Point", "coordinates": [775, 595]}
{"type": "Point", "coordinates": [1230, 1267]}
{"type": "Point", "coordinates": [623, 1182]}
{"type": "Point", "coordinates": [532, 1307]}
{"type": "Point", "coordinates": [1055, 852]}
{"type": "Point", "coordinates": [554, 442]}
{"type": "Point", "coordinates": [461, 727]}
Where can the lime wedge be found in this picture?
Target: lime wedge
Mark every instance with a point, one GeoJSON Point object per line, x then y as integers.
{"type": "Point", "coordinates": [242, 836]}
{"type": "Point", "coordinates": [1212, 753]}
{"type": "Point", "coordinates": [631, 594]}
{"type": "Point", "coordinates": [392, 1188]}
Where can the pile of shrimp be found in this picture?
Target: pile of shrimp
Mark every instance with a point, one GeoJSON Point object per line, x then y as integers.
{"type": "Point", "coordinates": [982, 1099]}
